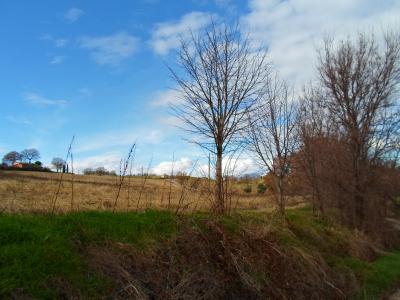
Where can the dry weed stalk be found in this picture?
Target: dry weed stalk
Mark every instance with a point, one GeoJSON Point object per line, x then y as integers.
{"type": "Point", "coordinates": [170, 182]}
{"type": "Point", "coordinates": [122, 174]}
{"type": "Point", "coordinates": [143, 183]}
{"type": "Point", "coordinates": [186, 187]}
{"type": "Point", "coordinates": [129, 186]}
{"type": "Point", "coordinates": [72, 181]}
{"type": "Point", "coordinates": [56, 194]}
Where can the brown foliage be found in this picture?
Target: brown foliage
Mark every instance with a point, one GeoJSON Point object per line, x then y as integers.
{"type": "Point", "coordinates": [350, 130]}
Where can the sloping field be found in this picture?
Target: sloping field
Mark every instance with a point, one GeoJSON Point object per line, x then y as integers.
{"type": "Point", "coordinates": [36, 191]}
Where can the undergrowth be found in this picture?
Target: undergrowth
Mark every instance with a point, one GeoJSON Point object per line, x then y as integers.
{"type": "Point", "coordinates": [96, 254]}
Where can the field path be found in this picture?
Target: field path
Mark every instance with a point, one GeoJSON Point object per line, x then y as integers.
{"type": "Point", "coordinates": [394, 296]}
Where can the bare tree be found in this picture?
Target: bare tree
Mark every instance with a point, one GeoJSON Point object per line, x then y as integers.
{"type": "Point", "coordinates": [350, 126]}
{"type": "Point", "coordinates": [12, 157]}
{"type": "Point", "coordinates": [30, 154]}
{"type": "Point", "coordinates": [58, 163]}
{"type": "Point", "coordinates": [361, 79]}
{"type": "Point", "coordinates": [219, 78]}
{"type": "Point", "coordinates": [271, 134]}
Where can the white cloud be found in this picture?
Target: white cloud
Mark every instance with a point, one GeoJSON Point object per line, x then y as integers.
{"type": "Point", "coordinates": [166, 98]}
{"type": "Point", "coordinates": [165, 167]}
{"type": "Point", "coordinates": [232, 166]}
{"type": "Point", "coordinates": [110, 50]}
{"type": "Point", "coordinates": [58, 59]}
{"type": "Point", "coordinates": [293, 29]}
{"type": "Point", "coordinates": [35, 98]}
{"type": "Point", "coordinates": [109, 160]}
{"type": "Point", "coordinates": [240, 166]}
{"type": "Point", "coordinates": [166, 36]}
{"type": "Point", "coordinates": [73, 15]}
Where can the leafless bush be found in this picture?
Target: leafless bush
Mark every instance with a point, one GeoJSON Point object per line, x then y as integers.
{"type": "Point", "coordinates": [123, 172]}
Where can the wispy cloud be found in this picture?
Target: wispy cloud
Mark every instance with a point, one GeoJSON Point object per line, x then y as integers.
{"type": "Point", "coordinates": [171, 121]}
{"type": "Point", "coordinates": [112, 139]}
{"type": "Point", "coordinates": [227, 5]}
{"type": "Point", "coordinates": [166, 98]}
{"type": "Point", "coordinates": [73, 15]}
{"type": "Point", "coordinates": [37, 99]}
{"type": "Point", "coordinates": [85, 92]}
{"type": "Point", "coordinates": [58, 42]}
{"type": "Point", "coordinates": [61, 42]}
{"type": "Point", "coordinates": [166, 36]}
{"type": "Point", "coordinates": [18, 120]}
{"type": "Point", "coordinates": [110, 50]}
{"type": "Point", "coordinates": [58, 59]}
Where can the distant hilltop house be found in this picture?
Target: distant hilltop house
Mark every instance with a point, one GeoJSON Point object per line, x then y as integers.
{"type": "Point", "coordinates": [20, 165]}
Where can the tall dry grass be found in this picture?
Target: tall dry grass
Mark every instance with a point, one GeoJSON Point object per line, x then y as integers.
{"type": "Point", "coordinates": [34, 191]}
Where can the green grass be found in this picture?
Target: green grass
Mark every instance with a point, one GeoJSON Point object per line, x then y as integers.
{"type": "Point", "coordinates": [381, 276]}
{"type": "Point", "coordinates": [37, 252]}
{"type": "Point", "coordinates": [40, 254]}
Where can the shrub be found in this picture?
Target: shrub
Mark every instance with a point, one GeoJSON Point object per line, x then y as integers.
{"type": "Point", "coordinates": [261, 188]}
{"type": "Point", "coordinates": [247, 189]}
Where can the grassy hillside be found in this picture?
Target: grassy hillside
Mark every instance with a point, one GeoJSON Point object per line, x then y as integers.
{"type": "Point", "coordinates": [157, 254]}
{"type": "Point", "coordinates": [27, 191]}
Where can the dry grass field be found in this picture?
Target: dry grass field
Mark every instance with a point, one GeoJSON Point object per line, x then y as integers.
{"type": "Point", "coordinates": [35, 191]}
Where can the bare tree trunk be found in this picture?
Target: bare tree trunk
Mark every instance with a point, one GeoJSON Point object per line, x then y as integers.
{"type": "Point", "coordinates": [219, 192]}
{"type": "Point", "coordinates": [281, 197]}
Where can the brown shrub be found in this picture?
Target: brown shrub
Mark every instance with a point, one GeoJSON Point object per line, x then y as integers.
{"type": "Point", "coordinates": [213, 263]}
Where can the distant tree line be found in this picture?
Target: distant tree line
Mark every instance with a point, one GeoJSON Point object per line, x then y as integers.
{"type": "Point", "coordinates": [101, 171]}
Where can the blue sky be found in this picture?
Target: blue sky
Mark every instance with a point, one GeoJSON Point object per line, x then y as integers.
{"type": "Point", "coordinates": [97, 69]}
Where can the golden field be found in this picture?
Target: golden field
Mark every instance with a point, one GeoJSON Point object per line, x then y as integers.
{"type": "Point", "coordinates": [36, 191]}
